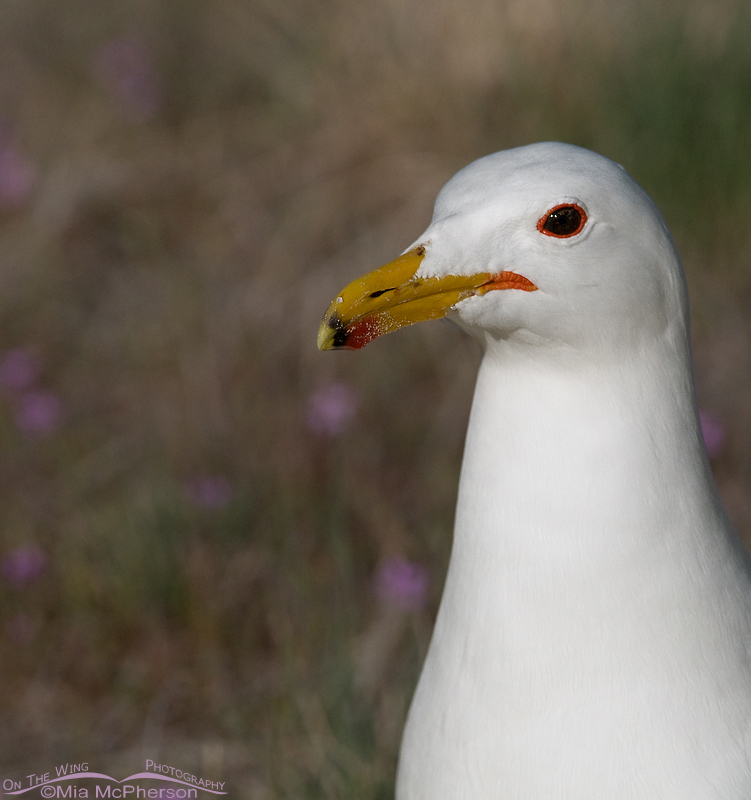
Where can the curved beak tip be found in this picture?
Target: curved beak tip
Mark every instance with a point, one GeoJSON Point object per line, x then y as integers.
{"type": "Point", "coordinates": [332, 332]}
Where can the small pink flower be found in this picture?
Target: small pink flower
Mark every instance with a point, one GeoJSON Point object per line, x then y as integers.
{"type": "Point", "coordinates": [24, 564]}
{"type": "Point", "coordinates": [21, 629]}
{"type": "Point", "coordinates": [19, 370]}
{"type": "Point", "coordinates": [210, 491]}
{"type": "Point", "coordinates": [714, 433]}
{"type": "Point", "coordinates": [17, 178]}
{"type": "Point", "coordinates": [123, 67]}
{"type": "Point", "coordinates": [39, 413]}
{"type": "Point", "coordinates": [331, 409]}
{"type": "Point", "coordinates": [402, 583]}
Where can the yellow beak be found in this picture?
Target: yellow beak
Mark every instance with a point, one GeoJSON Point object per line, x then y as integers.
{"type": "Point", "coordinates": [392, 297]}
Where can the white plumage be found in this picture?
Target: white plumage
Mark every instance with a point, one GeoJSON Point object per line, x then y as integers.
{"type": "Point", "coordinates": [593, 639]}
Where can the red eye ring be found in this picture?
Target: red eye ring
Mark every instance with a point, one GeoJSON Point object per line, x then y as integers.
{"type": "Point", "coordinates": [563, 221]}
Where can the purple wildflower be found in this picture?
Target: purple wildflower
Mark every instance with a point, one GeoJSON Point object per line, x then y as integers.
{"type": "Point", "coordinates": [17, 178]}
{"type": "Point", "coordinates": [402, 583]}
{"type": "Point", "coordinates": [123, 67]}
{"type": "Point", "coordinates": [39, 413]}
{"type": "Point", "coordinates": [714, 433]}
{"type": "Point", "coordinates": [210, 491]}
{"type": "Point", "coordinates": [331, 408]}
{"type": "Point", "coordinates": [19, 370]}
{"type": "Point", "coordinates": [23, 564]}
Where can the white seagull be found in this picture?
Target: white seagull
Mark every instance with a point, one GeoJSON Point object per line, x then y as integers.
{"type": "Point", "coordinates": [593, 641]}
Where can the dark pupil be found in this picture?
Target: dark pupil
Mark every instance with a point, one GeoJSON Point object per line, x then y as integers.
{"type": "Point", "coordinates": [563, 222]}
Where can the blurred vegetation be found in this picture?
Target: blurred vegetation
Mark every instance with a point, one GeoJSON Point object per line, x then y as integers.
{"type": "Point", "coordinates": [197, 505]}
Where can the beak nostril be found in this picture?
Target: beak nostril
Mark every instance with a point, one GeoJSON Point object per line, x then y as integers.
{"type": "Point", "coordinates": [381, 291]}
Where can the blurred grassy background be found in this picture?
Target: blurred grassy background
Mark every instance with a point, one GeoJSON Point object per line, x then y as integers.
{"type": "Point", "coordinates": [221, 549]}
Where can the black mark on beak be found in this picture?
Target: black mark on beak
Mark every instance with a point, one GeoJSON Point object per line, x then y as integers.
{"type": "Point", "coordinates": [340, 331]}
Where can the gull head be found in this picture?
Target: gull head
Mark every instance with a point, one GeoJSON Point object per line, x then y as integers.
{"type": "Point", "coordinates": [548, 245]}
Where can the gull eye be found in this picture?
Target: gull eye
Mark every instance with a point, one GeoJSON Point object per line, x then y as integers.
{"type": "Point", "coordinates": [563, 221]}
